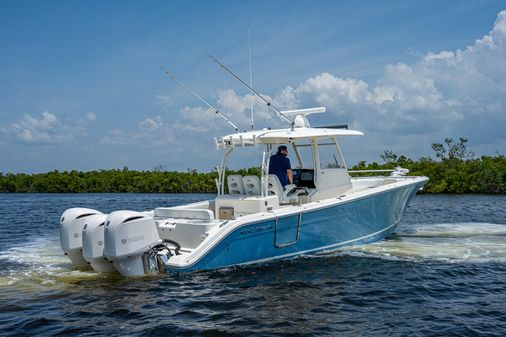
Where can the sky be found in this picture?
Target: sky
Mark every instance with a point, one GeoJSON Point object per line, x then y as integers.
{"type": "Point", "coordinates": [81, 86]}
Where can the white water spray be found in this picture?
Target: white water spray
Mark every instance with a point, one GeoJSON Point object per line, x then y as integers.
{"type": "Point", "coordinates": [454, 243]}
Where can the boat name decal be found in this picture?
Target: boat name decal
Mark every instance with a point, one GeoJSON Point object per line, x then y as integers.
{"type": "Point", "coordinates": [256, 229]}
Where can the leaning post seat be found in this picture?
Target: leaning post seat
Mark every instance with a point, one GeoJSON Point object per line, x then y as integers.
{"type": "Point", "coordinates": [274, 187]}
{"type": "Point", "coordinates": [235, 184]}
{"type": "Point", "coordinates": [252, 185]}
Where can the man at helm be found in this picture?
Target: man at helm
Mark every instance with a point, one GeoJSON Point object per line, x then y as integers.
{"type": "Point", "coordinates": [279, 164]}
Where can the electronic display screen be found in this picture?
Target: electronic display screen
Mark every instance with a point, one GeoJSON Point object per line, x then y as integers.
{"type": "Point", "coordinates": [304, 178]}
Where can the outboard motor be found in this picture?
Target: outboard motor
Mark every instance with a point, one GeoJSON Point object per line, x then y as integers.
{"type": "Point", "coordinates": [71, 227]}
{"type": "Point", "coordinates": [93, 244]}
{"type": "Point", "coordinates": [130, 239]}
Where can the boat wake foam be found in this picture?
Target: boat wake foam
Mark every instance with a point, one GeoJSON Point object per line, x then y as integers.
{"type": "Point", "coordinates": [446, 242]}
{"type": "Point", "coordinates": [40, 264]}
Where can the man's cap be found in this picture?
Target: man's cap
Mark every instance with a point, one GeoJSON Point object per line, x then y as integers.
{"type": "Point", "coordinates": [282, 148]}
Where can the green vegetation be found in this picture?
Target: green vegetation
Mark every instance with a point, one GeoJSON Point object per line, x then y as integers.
{"type": "Point", "coordinates": [454, 171]}
{"type": "Point", "coordinates": [156, 181]}
{"type": "Point", "coordinates": [483, 175]}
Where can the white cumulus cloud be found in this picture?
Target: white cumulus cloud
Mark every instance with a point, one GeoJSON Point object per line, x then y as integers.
{"type": "Point", "coordinates": [47, 128]}
{"type": "Point", "coordinates": [91, 116]}
{"type": "Point", "coordinates": [459, 93]}
{"type": "Point", "coordinates": [150, 132]}
{"type": "Point", "coordinates": [44, 128]}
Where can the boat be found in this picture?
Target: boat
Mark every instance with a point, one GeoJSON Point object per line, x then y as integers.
{"type": "Point", "coordinates": [252, 219]}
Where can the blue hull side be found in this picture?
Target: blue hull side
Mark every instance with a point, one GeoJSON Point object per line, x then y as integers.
{"type": "Point", "coordinates": [356, 222]}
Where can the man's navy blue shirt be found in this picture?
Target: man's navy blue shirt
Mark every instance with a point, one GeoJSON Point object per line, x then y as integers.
{"type": "Point", "coordinates": [278, 165]}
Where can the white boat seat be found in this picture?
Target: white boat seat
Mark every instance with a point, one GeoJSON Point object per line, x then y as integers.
{"type": "Point", "coordinates": [235, 184]}
{"type": "Point", "coordinates": [274, 188]}
{"type": "Point", "coordinates": [184, 213]}
{"type": "Point", "coordinates": [251, 185]}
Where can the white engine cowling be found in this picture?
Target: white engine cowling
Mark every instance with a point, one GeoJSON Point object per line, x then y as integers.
{"type": "Point", "coordinates": [128, 236]}
{"type": "Point", "coordinates": [71, 227]}
{"type": "Point", "coordinates": [93, 244]}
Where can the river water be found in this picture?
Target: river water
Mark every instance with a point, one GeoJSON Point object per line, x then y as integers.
{"type": "Point", "coordinates": [442, 273]}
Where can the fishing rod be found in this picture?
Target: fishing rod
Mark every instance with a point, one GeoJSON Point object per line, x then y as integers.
{"type": "Point", "coordinates": [200, 98]}
{"type": "Point", "coordinates": [250, 88]}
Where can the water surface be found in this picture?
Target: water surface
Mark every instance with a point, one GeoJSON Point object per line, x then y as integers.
{"type": "Point", "coordinates": [442, 273]}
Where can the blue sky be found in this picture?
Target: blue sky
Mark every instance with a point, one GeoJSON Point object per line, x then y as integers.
{"type": "Point", "coordinates": [80, 85]}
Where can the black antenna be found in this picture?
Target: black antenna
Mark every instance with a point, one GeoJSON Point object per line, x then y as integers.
{"type": "Point", "coordinates": [339, 126]}
{"type": "Point", "coordinates": [200, 98]}
{"type": "Point", "coordinates": [250, 88]}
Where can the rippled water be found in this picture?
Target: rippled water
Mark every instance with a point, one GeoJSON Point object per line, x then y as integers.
{"type": "Point", "coordinates": [442, 273]}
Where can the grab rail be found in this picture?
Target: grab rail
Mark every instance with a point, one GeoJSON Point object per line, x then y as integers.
{"type": "Point", "coordinates": [398, 172]}
{"type": "Point", "coordinates": [369, 171]}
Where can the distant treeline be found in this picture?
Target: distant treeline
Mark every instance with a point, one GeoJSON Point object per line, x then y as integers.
{"type": "Point", "coordinates": [454, 171]}
{"type": "Point", "coordinates": [484, 175]}
{"type": "Point", "coordinates": [124, 180]}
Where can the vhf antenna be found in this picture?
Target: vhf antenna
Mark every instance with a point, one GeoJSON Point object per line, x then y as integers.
{"type": "Point", "coordinates": [250, 88]}
{"type": "Point", "coordinates": [250, 76]}
{"type": "Point", "coordinates": [200, 98]}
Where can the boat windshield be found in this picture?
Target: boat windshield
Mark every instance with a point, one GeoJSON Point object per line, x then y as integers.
{"type": "Point", "coordinates": [303, 155]}
{"type": "Point", "coordinates": [330, 158]}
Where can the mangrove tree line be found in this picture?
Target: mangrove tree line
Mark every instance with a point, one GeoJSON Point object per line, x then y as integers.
{"type": "Point", "coordinates": [454, 170]}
